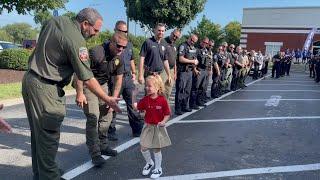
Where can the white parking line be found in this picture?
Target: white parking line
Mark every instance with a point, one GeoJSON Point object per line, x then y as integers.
{"type": "Point", "coordinates": [256, 100]}
{"type": "Point", "coordinates": [77, 110]}
{"type": "Point", "coordinates": [242, 172]}
{"type": "Point", "coordinates": [125, 122]}
{"type": "Point", "coordinates": [88, 165]}
{"type": "Point", "coordinates": [186, 121]}
{"type": "Point", "coordinates": [307, 85]}
{"type": "Point", "coordinates": [306, 81]}
{"type": "Point", "coordinates": [280, 90]}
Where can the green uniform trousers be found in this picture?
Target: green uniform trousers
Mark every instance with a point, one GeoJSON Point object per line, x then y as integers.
{"type": "Point", "coordinates": [45, 107]}
{"type": "Point", "coordinates": [226, 79]}
{"type": "Point", "coordinates": [98, 121]}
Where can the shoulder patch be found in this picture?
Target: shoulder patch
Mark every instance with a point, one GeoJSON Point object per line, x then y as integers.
{"type": "Point", "coordinates": [163, 48]}
{"type": "Point", "coordinates": [83, 54]}
{"type": "Point", "coordinates": [181, 48]}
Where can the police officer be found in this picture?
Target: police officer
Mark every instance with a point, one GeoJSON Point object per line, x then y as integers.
{"type": "Point", "coordinates": [276, 65]}
{"type": "Point", "coordinates": [317, 68]}
{"type": "Point", "coordinates": [311, 63]}
{"type": "Point", "coordinates": [105, 63]}
{"type": "Point", "coordinates": [129, 76]}
{"type": "Point", "coordinates": [216, 74]}
{"type": "Point", "coordinates": [226, 68]}
{"type": "Point", "coordinates": [187, 59]}
{"type": "Point", "coordinates": [209, 67]}
{"type": "Point", "coordinates": [232, 55]}
{"type": "Point", "coordinates": [172, 57]}
{"type": "Point", "coordinates": [241, 66]}
{"type": "Point", "coordinates": [153, 56]}
{"type": "Point", "coordinates": [60, 52]}
{"type": "Point", "coordinates": [199, 76]}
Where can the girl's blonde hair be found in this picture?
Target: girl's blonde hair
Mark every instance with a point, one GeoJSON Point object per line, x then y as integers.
{"type": "Point", "coordinates": [158, 83]}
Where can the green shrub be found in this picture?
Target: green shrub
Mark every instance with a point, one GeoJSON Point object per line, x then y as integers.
{"type": "Point", "coordinates": [14, 59]}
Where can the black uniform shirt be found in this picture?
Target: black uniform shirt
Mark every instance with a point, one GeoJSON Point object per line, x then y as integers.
{"type": "Point", "coordinates": [155, 53]}
{"type": "Point", "coordinates": [189, 52]}
{"type": "Point", "coordinates": [127, 56]}
{"type": "Point", "coordinates": [171, 51]}
{"type": "Point", "coordinates": [103, 65]}
{"type": "Point", "coordinates": [202, 56]}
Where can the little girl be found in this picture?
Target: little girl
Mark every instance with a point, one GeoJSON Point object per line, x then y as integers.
{"type": "Point", "coordinates": [154, 134]}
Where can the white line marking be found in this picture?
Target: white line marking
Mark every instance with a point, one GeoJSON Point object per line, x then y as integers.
{"type": "Point", "coordinates": [308, 85]}
{"type": "Point", "coordinates": [77, 110]}
{"type": "Point", "coordinates": [247, 119]}
{"type": "Point", "coordinates": [274, 90]}
{"type": "Point", "coordinates": [307, 81]}
{"type": "Point", "coordinates": [241, 172]}
{"type": "Point", "coordinates": [273, 101]}
{"type": "Point", "coordinates": [88, 165]}
{"type": "Point", "coordinates": [125, 122]}
{"type": "Point", "coordinates": [256, 100]}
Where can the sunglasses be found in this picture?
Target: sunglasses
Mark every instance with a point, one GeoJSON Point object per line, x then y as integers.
{"type": "Point", "coordinates": [175, 36]}
{"type": "Point", "coordinates": [120, 46]}
{"type": "Point", "coordinates": [122, 31]}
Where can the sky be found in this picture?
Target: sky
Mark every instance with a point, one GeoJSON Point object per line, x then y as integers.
{"type": "Point", "coordinates": [218, 11]}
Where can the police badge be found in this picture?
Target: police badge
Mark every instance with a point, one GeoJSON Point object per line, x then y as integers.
{"type": "Point", "coordinates": [116, 61]}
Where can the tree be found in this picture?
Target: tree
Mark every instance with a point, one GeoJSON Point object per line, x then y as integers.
{"type": "Point", "coordinates": [4, 36]}
{"type": "Point", "coordinates": [20, 31]}
{"type": "Point", "coordinates": [174, 13]}
{"type": "Point", "coordinates": [40, 17]}
{"type": "Point", "coordinates": [70, 14]}
{"type": "Point", "coordinates": [24, 6]}
{"type": "Point", "coordinates": [233, 32]}
{"type": "Point", "coordinates": [206, 28]}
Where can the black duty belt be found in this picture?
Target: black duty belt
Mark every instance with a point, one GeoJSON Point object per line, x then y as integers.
{"type": "Point", "coordinates": [148, 73]}
{"type": "Point", "coordinates": [127, 73]}
{"type": "Point", "coordinates": [48, 81]}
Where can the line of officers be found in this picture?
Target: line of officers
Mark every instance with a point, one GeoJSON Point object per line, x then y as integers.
{"type": "Point", "coordinates": [189, 66]}
{"type": "Point", "coordinates": [281, 64]}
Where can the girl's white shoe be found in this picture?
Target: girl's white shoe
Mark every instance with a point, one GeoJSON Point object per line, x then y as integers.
{"type": "Point", "coordinates": [156, 173]}
{"type": "Point", "coordinates": [147, 168]}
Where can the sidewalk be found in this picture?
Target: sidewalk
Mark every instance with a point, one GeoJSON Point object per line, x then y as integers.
{"type": "Point", "coordinates": [15, 101]}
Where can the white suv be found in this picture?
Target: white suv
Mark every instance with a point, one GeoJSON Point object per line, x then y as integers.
{"type": "Point", "coordinates": [7, 45]}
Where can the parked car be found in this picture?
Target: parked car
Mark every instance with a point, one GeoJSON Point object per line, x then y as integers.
{"type": "Point", "coordinates": [8, 45]}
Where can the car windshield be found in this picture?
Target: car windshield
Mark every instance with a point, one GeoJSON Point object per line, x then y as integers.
{"type": "Point", "coordinates": [8, 45]}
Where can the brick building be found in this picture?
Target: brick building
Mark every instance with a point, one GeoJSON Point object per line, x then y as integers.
{"type": "Point", "coordinates": [274, 29]}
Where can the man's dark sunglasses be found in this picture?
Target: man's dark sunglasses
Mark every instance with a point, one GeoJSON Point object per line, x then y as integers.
{"type": "Point", "coordinates": [122, 31]}
{"type": "Point", "coordinates": [120, 46]}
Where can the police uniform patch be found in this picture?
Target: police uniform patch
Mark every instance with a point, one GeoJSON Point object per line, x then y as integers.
{"type": "Point", "coordinates": [116, 62]}
{"type": "Point", "coordinates": [163, 48]}
{"type": "Point", "coordinates": [181, 48]}
{"type": "Point", "coordinates": [175, 49]}
{"type": "Point", "coordinates": [83, 54]}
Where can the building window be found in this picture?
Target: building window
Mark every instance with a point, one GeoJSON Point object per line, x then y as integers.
{"type": "Point", "coordinates": [273, 48]}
